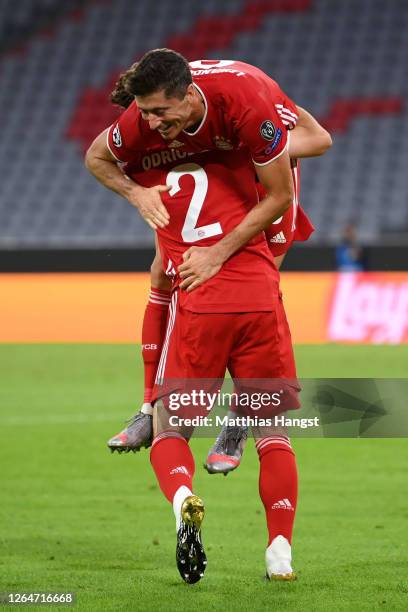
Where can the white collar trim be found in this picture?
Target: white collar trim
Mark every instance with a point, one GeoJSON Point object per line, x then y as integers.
{"type": "Point", "coordinates": [205, 113]}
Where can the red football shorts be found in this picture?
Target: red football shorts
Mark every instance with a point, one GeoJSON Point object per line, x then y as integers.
{"type": "Point", "coordinates": [251, 345]}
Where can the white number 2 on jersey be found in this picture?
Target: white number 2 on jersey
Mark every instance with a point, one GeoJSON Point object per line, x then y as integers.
{"type": "Point", "coordinates": [191, 233]}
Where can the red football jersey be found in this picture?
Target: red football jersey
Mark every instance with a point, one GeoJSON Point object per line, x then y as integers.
{"type": "Point", "coordinates": [210, 194]}
{"type": "Point", "coordinates": [243, 107]}
{"type": "Point", "coordinates": [246, 116]}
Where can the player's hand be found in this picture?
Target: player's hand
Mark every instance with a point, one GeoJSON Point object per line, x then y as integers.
{"type": "Point", "coordinates": [149, 204]}
{"type": "Point", "coordinates": [199, 264]}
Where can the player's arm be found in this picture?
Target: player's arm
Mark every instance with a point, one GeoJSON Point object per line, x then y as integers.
{"type": "Point", "coordinates": [104, 166]}
{"type": "Point", "coordinates": [158, 278]}
{"type": "Point", "coordinates": [308, 138]}
{"type": "Point", "coordinates": [201, 263]}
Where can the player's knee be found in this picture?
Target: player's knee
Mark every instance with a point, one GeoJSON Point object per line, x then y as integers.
{"type": "Point", "coordinates": [164, 422]}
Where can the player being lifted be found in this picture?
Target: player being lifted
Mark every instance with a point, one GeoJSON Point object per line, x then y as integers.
{"type": "Point", "coordinates": [182, 138]}
{"type": "Point", "coordinates": [308, 139]}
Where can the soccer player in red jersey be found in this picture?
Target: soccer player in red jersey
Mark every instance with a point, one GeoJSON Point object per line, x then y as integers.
{"type": "Point", "coordinates": [236, 318]}
{"type": "Point", "coordinates": [307, 139]}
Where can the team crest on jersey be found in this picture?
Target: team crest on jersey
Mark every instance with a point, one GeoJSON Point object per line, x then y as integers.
{"type": "Point", "coordinates": [267, 130]}
{"type": "Point", "coordinates": [223, 143]}
{"type": "Point", "coordinates": [175, 144]}
{"type": "Point", "coordinates": [116, 137]}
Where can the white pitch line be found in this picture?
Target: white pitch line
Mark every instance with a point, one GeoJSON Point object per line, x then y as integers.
{"type": "Point", "coordinates": [56, 419]}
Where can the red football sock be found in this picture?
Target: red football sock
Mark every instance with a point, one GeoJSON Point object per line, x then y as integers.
{"type": "Point", "coordinates": [173, 463]}
{"type": "Point", "coordinates": [278, 485]}
{"type": "Point", "coordinates": [153, 332]}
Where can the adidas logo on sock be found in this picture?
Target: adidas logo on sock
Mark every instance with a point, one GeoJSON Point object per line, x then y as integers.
{"type": "Point", "coordinates": [279, 238]}
{"type": "Point", "coordinates": [181, 469]}
{"type": "Point", "coordinates": [283, 504]}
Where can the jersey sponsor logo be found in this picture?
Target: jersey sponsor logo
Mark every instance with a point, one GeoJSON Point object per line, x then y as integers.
{"type": "Point", "coordinates": [116, 137]}
{"type": "Point", "coordinates": [270, 148]}
{"type": "Point", "coordinates": [267, 130]}
{"type": "Point", "coordinates": [223, 143]}
{"type": "Point", "coordinates": [149, 347]}
{"type": "Point", "coordinates": [278, 238]}
{"type": "Point", "coordinates": [176, 144]}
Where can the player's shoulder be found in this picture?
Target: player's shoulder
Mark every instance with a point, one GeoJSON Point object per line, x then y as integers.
{"type": "Point", "coordinates": [232, 84]}
{"type": "Point", "coordinates": [130, 130]}
{"type": "Point", "coordinates": [226, 73]}
{"type": "Point", "coordinates": [131, 117]}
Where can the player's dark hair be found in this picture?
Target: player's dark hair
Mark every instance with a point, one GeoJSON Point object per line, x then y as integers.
{"type": "Point", "coordinates": [120, 95]}
{"type": "Point", "coordinates": [160, 69]}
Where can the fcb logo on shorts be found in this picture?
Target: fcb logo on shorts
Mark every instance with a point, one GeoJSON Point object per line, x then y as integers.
{"type": "Point", "coordinates": [116, 137]}
{"type": "Point", "coordinates": [267, 130]}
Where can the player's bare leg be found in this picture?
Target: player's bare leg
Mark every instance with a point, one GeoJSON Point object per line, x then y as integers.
{"type": "Point", "coordinates": [173, 463]}
{"type": "Point", "coordinates": [278, 491]}
{"type": "Point", "coordinates": [226, 453]}
{"type": "Point", "coordinates": [139, 431]}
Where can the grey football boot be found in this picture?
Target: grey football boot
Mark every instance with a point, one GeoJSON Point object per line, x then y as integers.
{"type": "Point", "coordinates": [225, 454]}
{"type": "Point", "coordinates": [137, 434]}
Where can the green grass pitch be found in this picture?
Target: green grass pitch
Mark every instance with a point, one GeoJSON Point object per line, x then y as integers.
{"type": "Point", "coordinates": [76, 518]}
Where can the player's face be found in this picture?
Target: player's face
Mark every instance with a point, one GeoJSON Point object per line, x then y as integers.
{"type": "Point", "coordinates": [167, 115]}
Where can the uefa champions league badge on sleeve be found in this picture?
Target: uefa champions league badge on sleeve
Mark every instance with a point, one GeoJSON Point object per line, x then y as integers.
{"type": "Point", "coordinates": [267, 130]}
{"type": "Point", "coordinates": [270, 148]}
{"type": "Point", "coordinates": [116, 137]}
{"type": "Point", "coordinates": [271, 134]}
